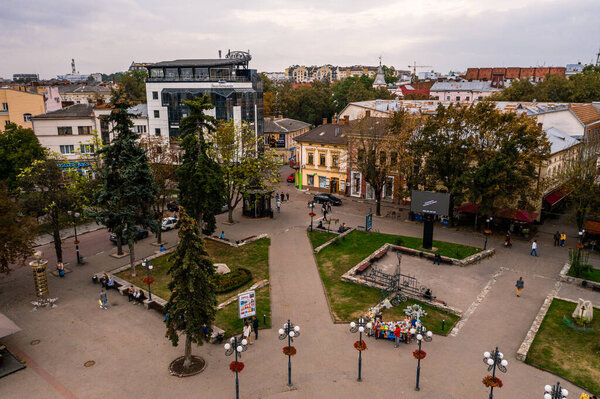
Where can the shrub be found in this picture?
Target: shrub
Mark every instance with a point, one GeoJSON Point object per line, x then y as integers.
{"type": "Point", "coordinates": [399, 241]}
{"type": "Point", "coordinates": [231, 281]}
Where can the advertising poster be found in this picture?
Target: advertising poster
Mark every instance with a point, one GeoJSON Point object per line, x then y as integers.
{"type": "Point", "coordinates": [247, 304]}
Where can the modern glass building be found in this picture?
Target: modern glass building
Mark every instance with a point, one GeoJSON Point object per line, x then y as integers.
{"type": "Point", "coordinates": [235, 91]}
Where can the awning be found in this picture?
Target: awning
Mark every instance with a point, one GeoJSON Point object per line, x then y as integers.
{"type": "Point", "coordinates": [514, 214]}
{"type": "Point", "coordinates": [592, 227]}
{"type": "Point", "coordinates": [468, 208]}
{"type": "Point", "coordinates": [557, 195]}
{"type": "Point", "coordinates": [7, 327]}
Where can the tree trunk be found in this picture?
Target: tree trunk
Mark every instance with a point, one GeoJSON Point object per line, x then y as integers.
{"type": "Point", "coordinates": [119, 244]}
{"type": "Point", "coordinates": [57, 243]}
{"type": "Point", "coordinates": [378, 201]}
{"type": "Point", "coordinates": [159, 233]}
{"type": "Point", "coordinates": [229, 214]}
{"type": "Point", "coordinates": [131, 258]}
{"type": "Point", "coordinates": [187, 358]}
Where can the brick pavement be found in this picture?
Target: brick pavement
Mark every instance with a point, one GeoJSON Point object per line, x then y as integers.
{"type": "Point", "coordinates": [131, 353]}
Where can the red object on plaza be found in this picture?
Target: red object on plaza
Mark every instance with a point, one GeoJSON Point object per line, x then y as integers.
{"type": "Point", "coordinates": [236, 367]}
{"type": "Point", "coordinates": [360, 346]}
{"type": "Point", "coordinates": [148, 280]}
{"type": "Point", "coordinates": [289, 350]}
{"type": "Point", "coordinates": [312, 214]}
{"type": "Point", "coordinates": [419, 354]}
{"type": "Point", "coordinates": [490, 381]}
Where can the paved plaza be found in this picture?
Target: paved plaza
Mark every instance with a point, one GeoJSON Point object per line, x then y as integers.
{"type": "Point", "coordinates": [131, 354]}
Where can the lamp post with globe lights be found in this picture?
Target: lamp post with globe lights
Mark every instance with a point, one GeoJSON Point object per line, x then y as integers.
{"type": "Point", "coordinates": [290, 331]}
{"type": "Point", "coordinates": [494, 360]}
{"type": "Point", "coordinates": [419, 354]}
{"type": "Point", "coordinates": [360, 326]}
{"type": "Point", "coordinates": [75, 216]}
{"type": "Point", "coordinates": [555, 392]}
{"type": "Point", "coordinates": [237, 347]}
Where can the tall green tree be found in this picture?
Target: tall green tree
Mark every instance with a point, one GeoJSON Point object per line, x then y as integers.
{"type": "Point", "coordinates": [308, 103]}
{"type": "Point", "coordinates": [128, 188]}
{"type": "Point", "coordinates": [44, 194]}
{"type": "Point", "coordinates": [133, 84]}
{"type": "Point", "coordinates": [200, 177]}
{"type": "Point", "coordinates": [19, 148]}
{"type": "Point", "coordinates": [193, 301]}
{"type": "Point", "coordinates": [236, 149]}
{"type": "Point", "coordinates": [17, 231]}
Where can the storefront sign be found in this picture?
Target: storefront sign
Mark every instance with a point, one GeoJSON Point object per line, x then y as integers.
{"type": "Point", "coordinates": [247, 304]}
{"type": "Point", "coordinates": [66, 165]}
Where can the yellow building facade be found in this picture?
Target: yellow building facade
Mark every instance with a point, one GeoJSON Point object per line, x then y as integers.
{"type": "Point", "coordinates": [19, 106]}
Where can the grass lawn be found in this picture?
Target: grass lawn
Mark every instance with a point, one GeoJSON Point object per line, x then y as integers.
{"type": "Point", "coordinates": [253, 256]}
{"type": "Point", "coordinates": [574, 355]}
{"type": "Point", "coordinates": [349, 300]}
{"type": "Point", "coordinates": [318, 238]}
{"type": "Point", "coordinates": [433, 320]}
{"type": "Point", "coordinates": [593, 275]}
{"type": "Point", "coordinates": [227, 318]}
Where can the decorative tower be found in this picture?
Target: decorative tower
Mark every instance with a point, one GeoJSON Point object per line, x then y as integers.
{"type": "Point", "coordinates": [380, 77]}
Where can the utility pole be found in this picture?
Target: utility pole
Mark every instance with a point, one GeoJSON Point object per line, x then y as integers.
{"type": "Point", "coordinates": [414, 68]}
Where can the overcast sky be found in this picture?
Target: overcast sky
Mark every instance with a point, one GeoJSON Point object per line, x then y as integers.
{"type": "Point", "coordinates": [107, 35]}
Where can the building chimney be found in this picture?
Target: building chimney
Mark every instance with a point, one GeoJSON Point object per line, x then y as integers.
{"type": "Point", "coordinates": [368, 113]}
{"type": "Point", "coordinates": [324, 121]}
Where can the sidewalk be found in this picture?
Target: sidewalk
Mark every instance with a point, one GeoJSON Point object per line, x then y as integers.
{"type": "Point", "coordinates": [44, 239]}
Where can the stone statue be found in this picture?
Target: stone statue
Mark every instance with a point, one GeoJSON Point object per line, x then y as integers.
{"type": "Point", "coordinates": [584, 311]}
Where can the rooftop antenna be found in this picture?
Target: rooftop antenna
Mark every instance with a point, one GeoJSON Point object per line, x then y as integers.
{"type": "Point", "coordinates": [219, 53]}
{"type": "Point", "coordinates": [380, 60]}
{"type": "Point", "coordinates": [73, 66]}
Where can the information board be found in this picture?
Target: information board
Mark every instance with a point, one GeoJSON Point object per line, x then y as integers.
{"type": "Point", "coordinates": [247, 304]}
{"type": "Point", "coordinates": [430, 202]}
{"type": "Point", "coordinates": [369, 222]}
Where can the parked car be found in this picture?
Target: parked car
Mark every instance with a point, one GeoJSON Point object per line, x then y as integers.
{"type": "Point", "coordinates": [322, 198]}
{"type": "Point", "coordinates": [140, 234]}
{"type": "Point", "coordinates": [291, 178]}
{"type": "Point", "coordinates": [173, 205]}
{"type": "Point", "coordinates": [168, 223]}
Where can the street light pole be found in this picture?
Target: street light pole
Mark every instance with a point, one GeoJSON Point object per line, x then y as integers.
{"type": "Point", "coordinates": [290, 331]}
{"type": "Point", "coordinates": [74, 216]}
{"type": "Point", "coordinates": [487, 231]}
{"type": "Point", "coordinates": [494, 360]}
{"type": "Point", "coordinates": [238, 347]}
{"type": "Point", "coordinates": [555, 392]}
{"type": "Point", "coordinates": [428, 337]}
{"type": "Point", "coordinates": [148, 267]}
{"type": "Point", "coordinates": [360, 327]}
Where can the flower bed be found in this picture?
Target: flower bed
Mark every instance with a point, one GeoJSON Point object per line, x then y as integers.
{"type": "Point", "coordinates": [231, 281]}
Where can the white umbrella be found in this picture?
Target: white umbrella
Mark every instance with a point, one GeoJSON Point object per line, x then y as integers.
{"type": "Point", "coordinates": [7, 327]}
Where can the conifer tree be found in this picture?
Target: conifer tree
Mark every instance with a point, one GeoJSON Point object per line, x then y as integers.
{"type": "Point", "coordinates": [193, 301]}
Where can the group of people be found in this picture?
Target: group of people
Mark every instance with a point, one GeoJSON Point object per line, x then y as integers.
{"type": "Point", "coordinates": [279, 198]}
{"type": "Point", "coordinates": [135, 294]}
{"type": "Point", "coordinates": [249, 325]}
{"type": "Point", "coordinates": [560, 239]}
{"type": "Point", "coordinates": [397, 331]}
{"type": "Point", "coordinates": [326, 208]}
{"type": "Point", "coordinates": [107, 281]}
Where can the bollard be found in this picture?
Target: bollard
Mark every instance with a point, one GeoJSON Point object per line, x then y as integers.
{"type": "Point", "coordinates": [443, 323]}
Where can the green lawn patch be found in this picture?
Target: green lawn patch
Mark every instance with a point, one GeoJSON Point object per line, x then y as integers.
{"type": "Point", "coordinates": [572, 354]}
{"type": "Point", "coordinates": [253, 257]}
{"type": "Point", "coordinates": [227, 318]}
{"type": "Point", "coordinates": [592, 275]}
{"type": "Point", "coordinates": [318, 238]}
{"type": "Point", "coordinates": [349, 300]}
{"type": "Point", "coordinates": [433, 320]}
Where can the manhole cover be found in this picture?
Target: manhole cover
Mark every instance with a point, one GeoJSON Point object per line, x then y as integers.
{"type": "Point", "coordinates": [35, 342]}
{"type": "Point", "coordinates": [89, 363]}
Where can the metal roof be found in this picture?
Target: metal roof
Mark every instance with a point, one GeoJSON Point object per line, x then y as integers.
{"type": "Point", "coordinates": [477, 86]}
{"type": "Point", "coordinates": [198, 63]}
{"type": "Point", "coordinates": [559, 140]}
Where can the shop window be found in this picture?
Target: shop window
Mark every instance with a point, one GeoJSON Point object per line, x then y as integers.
{"type": "Point", "coordinates": [322, 182]}
{"type": "Point", "coordinates": [310, 180]}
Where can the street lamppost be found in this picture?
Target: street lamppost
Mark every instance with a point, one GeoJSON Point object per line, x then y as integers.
{"type": "Point", "coordinates": [237, 347]}
{"type": "Point", "coordinates": [146, 263]}
{"type": "Point", "coordinates": [555, 392]}
{"type": "Point", "coordinates": [312, 213]}
{"type": "Point", "coordinates": [487, 231]}
{"type": "Point", "coordinates": [494, 360]}
{"type": "Point", "coordinates": [419, 354]}
{"type": "Point", "coordinates": [290, 331]}
{"type": "Point", "coordinates": [580, 245]}
{"type": "Point", "coordinates": [74, 216]}
{"type": "Point", "coordinates": [360, 345]}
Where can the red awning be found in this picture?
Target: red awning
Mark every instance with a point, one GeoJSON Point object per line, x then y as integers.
{"type": "Point", "coordinates": [514, 214]}
{"type": "Point", "coordinates": [468, 208]}
{"type": "Point", "coordinates": [557, 195]}
{"type": "Point", "coordinates": [593, 227]}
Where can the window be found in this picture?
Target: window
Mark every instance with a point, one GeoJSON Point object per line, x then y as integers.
{"type": "Point", "coordinates": [186, 74]}
{"type": "Point", "coordinates": [457, 98]}
{"type": "Point", "coordinates": [4, 106]}
{"type": "Point", "coordinates": [157, 131]}
{"type": "Point", "coordinates": [335, 161]}
{"type": "Point", "coordinates": [322, 182]}
{"type": "Point", "coordinates": [310, 180]}
{"type": "Point", "coordinates": [382, 158]}
{"type": "Point", "coordinates": [157, 73]}
{"type": "Point", "coordinates": [27, 117]}
{"type": "Point", "coordinates": [311, 160]}
{"type": "Point", "coordinates": [86, 148]}
{"type": "Point", "coordinates": [322, 161]}
{"type": "Point", "coordinates": [448, 98]}
{"type": "Point", "coordinates": [393, 158]}
{"type": "Point", "coordinates": [140, 129]}
{"type": "Point", "coordinates": [64, 130]}
{"type": "Point", "coordinates": [361, 155]}
{"type": "Point", "coordinates": [219, 73]}
{"type": "Point", "coordinates": [156, 114]}
{"type": "Point", "coordinates": [480, 98]}
{"type": "Point", "coordinates": [172, 73]}
{"type": "Point", "coordinates": [201, 73]}
{"type": "Point", "coordinates": [6, 122]}
{"type": "Point", "coordinates": [468, 98]}
{"type": "Point", "coordinates": [84, 130]}
{"type": "Point", "coordinates": [67, 149]}
{"type": "Point", "coordinates": [155, 95]}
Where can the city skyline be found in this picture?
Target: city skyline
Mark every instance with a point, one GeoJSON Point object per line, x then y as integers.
{"type": "Point", "coordinates": [106, 37]}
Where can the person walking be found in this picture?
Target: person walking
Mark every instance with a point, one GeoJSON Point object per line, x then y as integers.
{"type": "Point", "coordinates": [556, 239]}
{"type": "Point", "coordinates": [103, 300]}
{"type": "Point", "coordinates": [534, 248]}
{"type": "Point", "coordinates": [282, 196]}
{"type": "Point", "coordinates": [563, 239]}
{"type": "Point", "coordinates": [287, 197]}
{"type": "Point", "coordinates": [278, 203]}
{"type": "Point", "coordinates": [329, 206]}
{"type": "Point", "coordinates": [397, 335]}
{"type": "Point", "coordinates": [520, 284]}
{"type": "Point", "coordinates": [255, 327]}
{"type": "Point", "coordinates": [276, 197]}
{"type": "Point", "coordinates": [246, 332]}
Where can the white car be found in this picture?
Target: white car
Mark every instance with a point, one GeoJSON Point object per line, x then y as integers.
{"type": "Point", "coordinates": [168, 224]}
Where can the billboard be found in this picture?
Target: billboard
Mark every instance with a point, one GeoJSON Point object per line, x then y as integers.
{"type": "Point", "coordinates": [247, 304]}
{"type": "Point", "coordinates": [430, 202]}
